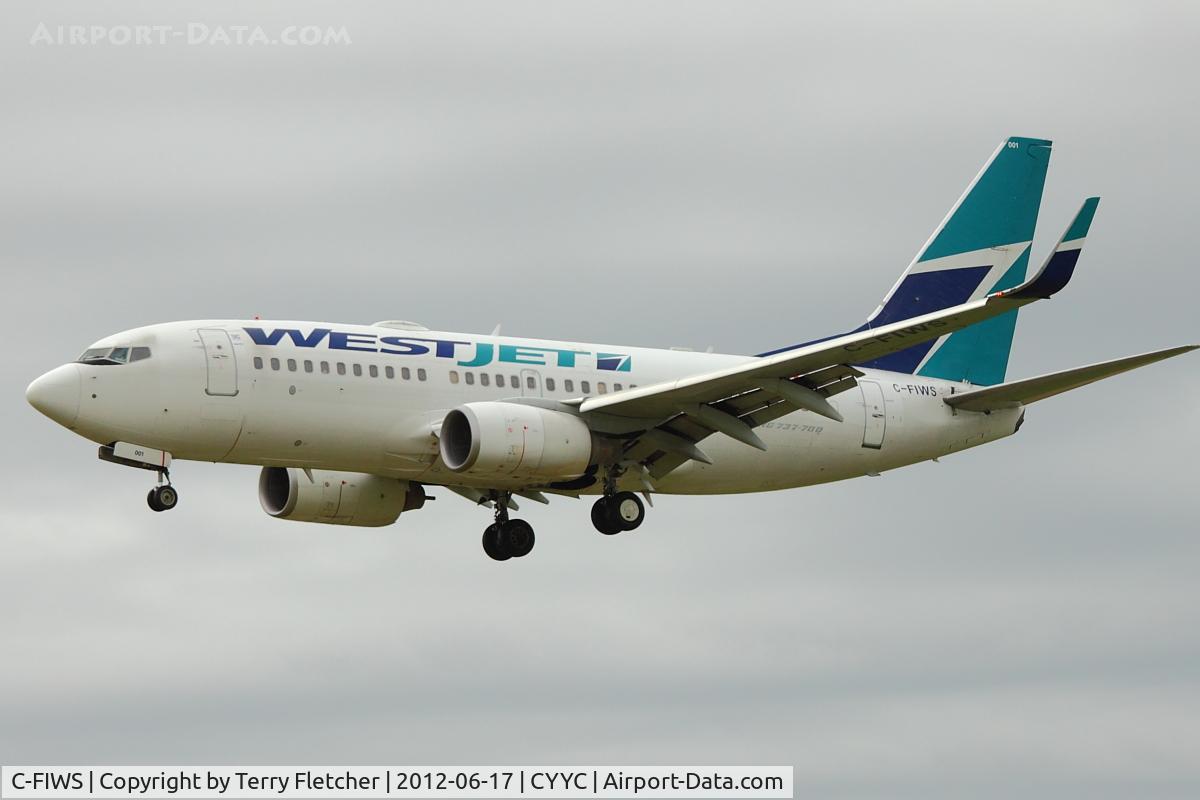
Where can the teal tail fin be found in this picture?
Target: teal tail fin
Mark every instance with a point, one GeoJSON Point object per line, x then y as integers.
{"type": "Point", "coordinates": [982, 246]}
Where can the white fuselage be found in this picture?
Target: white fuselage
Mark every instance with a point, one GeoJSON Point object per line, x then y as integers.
{"type": "Point", "coordinates": [369, 399]}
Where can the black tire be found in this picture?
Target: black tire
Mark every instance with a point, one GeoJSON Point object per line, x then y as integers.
{"type": "Point", "coordinates": [626, 510]}
{"type": "Point", "coordinates": [517, 536]}
{"type": "Point", "coordinates": [152, 501]}
{"type": "Point", "coordinates": [602, 519]}
{"type": "Point", "coordinates": [167, 497]}
{"type": "Point", "coordinates": [493, 544]}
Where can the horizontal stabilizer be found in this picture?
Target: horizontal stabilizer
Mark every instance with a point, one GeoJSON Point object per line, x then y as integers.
{"type": "Point", "coordinates": [1024, 392]}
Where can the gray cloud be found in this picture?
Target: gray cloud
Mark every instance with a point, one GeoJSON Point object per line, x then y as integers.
{"type": "Point", "coordinates": [1018, 619]}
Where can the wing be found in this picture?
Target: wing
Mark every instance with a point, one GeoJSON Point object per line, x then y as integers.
{"type": "Point", "coordinates": [669, 419]}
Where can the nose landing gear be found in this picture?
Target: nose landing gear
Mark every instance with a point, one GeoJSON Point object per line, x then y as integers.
{"type": "Point", "coordinates": [162, 497]}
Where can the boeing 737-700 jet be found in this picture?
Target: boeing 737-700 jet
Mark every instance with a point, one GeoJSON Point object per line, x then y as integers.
{"type": "Point", "coordinates": [352, 423]}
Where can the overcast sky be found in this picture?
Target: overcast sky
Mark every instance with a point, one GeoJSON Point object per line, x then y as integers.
{"type": "Point", "coordinates": [1019, 620]}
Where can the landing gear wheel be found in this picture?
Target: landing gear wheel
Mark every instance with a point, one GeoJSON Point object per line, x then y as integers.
{"type": "Point", "coordinates": [162, 498]}
{"type": "Point", "coordinates": [493, 543]}
{"type": "Point", "coordinates": [603, 519]}
{"type": "Point", "coordinates": [167, 496]}
{"type": "Point", "coordinates": [517, 537]}
{"type": "Point", "coordinates": [626, 510]}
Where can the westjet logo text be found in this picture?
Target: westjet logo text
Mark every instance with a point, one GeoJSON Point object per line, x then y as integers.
{"type": "Point", "coordinates": [464, 353]}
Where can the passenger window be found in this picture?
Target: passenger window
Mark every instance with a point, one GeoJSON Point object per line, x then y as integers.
{"type": "Point", "coordinates": [139, 354]}
{"type": "Point", "coordinates": [275, 364]}
{"type": "Point", "coordinates": [357, 370]}
{"type": "Point", "coordinates": [405, 373]}
{"type": "Point", "coordinates": [291, 365]}
{"type": "Point", "coordinates": [373, 370]}
{"type": "Point", "coordinates": [530, 382]}
{"type": "Point", "coordinates": [484, 379]}
{"type": "Point", "coordinates": [499, 380]}
{"type": "Point", "coordinates": [390, 372]}
{"type": "Point", "coordinates": [258, 362]}
{"type": "Point", "coordinates": [324, 367]}
{"type": "Point", "coordinates": [585, 387]}
{"type": "Point", "coordinates": [568, 385]}
{"type": "Point", "coordinates": [341, 368]}
{"type": "Point", "coordinates": [602, 388]}
{"type": "Point", "coordinates": [421, 374]}
{"type": "Point", "coordinates": [454, 376]}
{"type": "Point", "coordinates": [550, 384]}
{"type": "Point", "coordinates": [307, 365]}
{"type": "Point", "coordinates": [633, 386]}
{"type": "Point", "coordinates": [514, 381]}
{"type": "Point", "coordinates": [469, 377]}
{"type": "Point", "coordinates": [616, 387]}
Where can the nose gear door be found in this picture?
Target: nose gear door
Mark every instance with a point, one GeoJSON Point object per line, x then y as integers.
{"type": "Point", "coordinates": [222, 366]}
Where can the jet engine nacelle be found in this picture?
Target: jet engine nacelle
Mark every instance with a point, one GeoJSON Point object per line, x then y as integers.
{"type": "Point", "coordinates": [515, 441]}
{"type": "Point", "coordinates": [336, 498]}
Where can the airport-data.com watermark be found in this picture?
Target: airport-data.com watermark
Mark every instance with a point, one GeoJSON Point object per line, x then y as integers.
{"type": "Point", "coordinates": [193, 33]}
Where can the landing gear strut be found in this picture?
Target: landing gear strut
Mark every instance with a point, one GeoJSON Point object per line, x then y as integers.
{"type": "Point", "coordinates": [162, 497]}
{"type": "Point", "coordinates": [507, 538]}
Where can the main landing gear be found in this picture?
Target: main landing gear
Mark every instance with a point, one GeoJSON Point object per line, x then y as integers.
{"type": "Point", "coordinates": [507, 538]}
{"type": "Point", "coordinates": [622, 511]}
{"type": "Point", "coordinates": [513, 538]}
{"type": "Point", "coordinates": [617, 511]}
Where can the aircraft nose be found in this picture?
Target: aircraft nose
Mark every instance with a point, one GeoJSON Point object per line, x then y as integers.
{"type": "Point", "coordinates": [56, 394]}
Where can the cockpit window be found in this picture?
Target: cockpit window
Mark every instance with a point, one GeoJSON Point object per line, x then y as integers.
{"type": "Point", "coordinates": [113, 355]}
{"type": "Point", "coordinates": [97, 355]}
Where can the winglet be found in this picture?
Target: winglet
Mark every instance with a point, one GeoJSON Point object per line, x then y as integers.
{"type": "Point", "coordinates": [1057, 271]}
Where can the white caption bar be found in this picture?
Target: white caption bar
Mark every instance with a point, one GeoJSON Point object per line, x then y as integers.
{"type": "Point", "coordinates": [288, 783]}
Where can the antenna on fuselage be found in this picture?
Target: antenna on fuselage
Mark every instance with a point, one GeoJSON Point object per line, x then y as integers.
{"type": "Point", "coordinates": [496, 330]}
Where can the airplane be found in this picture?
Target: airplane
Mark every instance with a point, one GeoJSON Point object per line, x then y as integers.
{"type": "Point", "coordinates": [352, 423]}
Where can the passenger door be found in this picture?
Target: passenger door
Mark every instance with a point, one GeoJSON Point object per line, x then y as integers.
{"type": "Point", "coordinates": [874, 414]}
{"type": "Point", "coordinates": [221, 364]}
